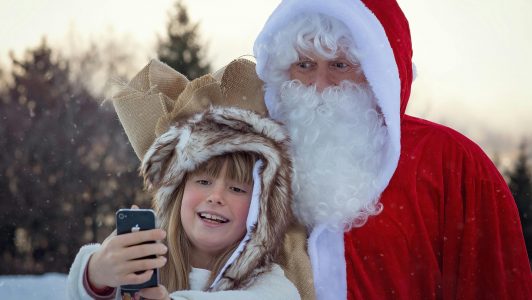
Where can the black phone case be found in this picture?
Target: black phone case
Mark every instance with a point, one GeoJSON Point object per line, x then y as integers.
{"type": "Point", "coordinates": [139, 220]}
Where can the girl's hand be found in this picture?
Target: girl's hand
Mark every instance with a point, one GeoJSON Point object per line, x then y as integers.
{"type": "Point", "coordinates": [115, 263]}
{"type": "Point", "coordinates": [154, 293]}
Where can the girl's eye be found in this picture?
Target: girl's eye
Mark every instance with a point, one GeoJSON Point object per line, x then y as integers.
{"type": "Point", "coordinates": [237, 190]}
{"type": "Point", "coordinates": [203, 182]}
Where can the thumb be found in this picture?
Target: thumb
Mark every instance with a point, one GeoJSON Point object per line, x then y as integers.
{"type": "Point", "coordinates": [134, 206]}
{"type": "Point", "coordinates": [110, 236]}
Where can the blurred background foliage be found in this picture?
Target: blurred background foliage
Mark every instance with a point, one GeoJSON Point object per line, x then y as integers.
{"type": "Point", "coordinates": [66, 165]}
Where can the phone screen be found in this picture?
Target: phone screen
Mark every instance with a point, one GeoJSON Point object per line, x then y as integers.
{"type": "Point", "coordinates": [132, 220]}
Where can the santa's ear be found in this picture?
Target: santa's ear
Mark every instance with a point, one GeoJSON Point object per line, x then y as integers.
{"type": "Point", "coordinates": [159, 156]}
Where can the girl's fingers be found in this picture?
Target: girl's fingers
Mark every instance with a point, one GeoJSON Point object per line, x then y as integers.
{"type": "Point", "coordinates": [133, 278]}
{"type": "Point", "coordinates": [143, 250]}
{"type": "Point", "coordinates": [139, 265]}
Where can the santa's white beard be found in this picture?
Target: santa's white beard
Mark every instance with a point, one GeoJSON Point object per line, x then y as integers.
{"type": "Point", "coordinates": [338, 138]}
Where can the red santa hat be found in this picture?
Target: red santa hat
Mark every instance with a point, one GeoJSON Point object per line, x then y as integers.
{"type": "Point", "coordinates": [381, 34]}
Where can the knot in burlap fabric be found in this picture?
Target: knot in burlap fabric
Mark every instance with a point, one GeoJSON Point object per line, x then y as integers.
{"type": "Point", "coordinates": [159, 96]}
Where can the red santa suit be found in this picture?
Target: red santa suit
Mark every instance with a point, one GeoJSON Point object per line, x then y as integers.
{"type": "Point", "coordinates": [449, 228]}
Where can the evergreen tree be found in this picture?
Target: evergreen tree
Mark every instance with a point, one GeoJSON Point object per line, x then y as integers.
{"type": "Point", "coordinates": [37, 157]}
{"type": "Point", "coordinates": [65, 167]}
{"type": "Point", "coordinates": [181, 49]}
{"type": "Point", "coordinates": [520, 183]}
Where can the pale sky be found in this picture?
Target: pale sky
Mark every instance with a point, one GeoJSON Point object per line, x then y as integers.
{"type": "Point", "coordinates": [473, 57]}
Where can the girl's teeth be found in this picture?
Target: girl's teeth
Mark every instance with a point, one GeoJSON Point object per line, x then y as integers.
{"type": "Point", "coordinates": [212, 217]}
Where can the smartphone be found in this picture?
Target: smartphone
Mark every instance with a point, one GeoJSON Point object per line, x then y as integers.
{"type": "Point", "coordinates": [132, 220]}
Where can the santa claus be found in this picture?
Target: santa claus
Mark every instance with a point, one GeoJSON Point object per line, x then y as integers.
{"type": "Point", "coordinates": [395, 207]}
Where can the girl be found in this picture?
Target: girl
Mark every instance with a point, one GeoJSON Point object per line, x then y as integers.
{"type": "Point", "coordinates": [220, 174]}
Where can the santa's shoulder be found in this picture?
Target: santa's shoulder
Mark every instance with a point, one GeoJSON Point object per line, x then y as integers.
{"type": "Point", "coordinates": [434, 143]}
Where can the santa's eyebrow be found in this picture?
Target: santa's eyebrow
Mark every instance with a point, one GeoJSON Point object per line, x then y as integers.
{"type": "Point", "coordinates": [304, 57]}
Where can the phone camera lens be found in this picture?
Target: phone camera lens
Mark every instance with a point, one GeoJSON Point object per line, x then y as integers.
{"type": "Point", "coordinates": [121, 216]}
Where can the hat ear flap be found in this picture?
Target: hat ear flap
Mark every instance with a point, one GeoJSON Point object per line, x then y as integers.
{"type": "Point", "coordinates": [158, 158]}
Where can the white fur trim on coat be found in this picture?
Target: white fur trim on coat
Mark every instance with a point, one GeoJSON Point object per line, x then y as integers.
{"type": "Point", "coordinates": [326, 251]}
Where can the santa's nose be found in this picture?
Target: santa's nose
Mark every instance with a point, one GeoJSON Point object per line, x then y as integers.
{"type": "Point", "coordinates": [322, 80]}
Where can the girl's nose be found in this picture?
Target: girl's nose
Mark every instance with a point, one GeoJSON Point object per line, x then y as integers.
{"type": "Point", "coordinates": [212, 200]}
{"type": "Point", "coordinates": [216, 197]}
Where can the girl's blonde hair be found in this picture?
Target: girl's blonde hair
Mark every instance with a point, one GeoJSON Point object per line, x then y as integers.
{"type": "Point", "coordinates": [174, 275]}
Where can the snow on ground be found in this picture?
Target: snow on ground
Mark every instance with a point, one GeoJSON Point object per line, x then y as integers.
{"type": "Point", "coordinates": [33, 287]}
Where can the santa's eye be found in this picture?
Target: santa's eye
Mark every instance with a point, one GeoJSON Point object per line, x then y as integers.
{"type": "Point", "coordinates": [304, 64]}
{"type": "Point", "coordinates": [341, 66]}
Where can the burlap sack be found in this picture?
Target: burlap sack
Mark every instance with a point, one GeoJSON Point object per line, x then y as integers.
{"type": "Point", "coordinates": [295, 261]}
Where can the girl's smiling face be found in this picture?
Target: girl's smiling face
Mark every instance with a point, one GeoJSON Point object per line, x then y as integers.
{"type": "Point", "coordinates": [214, 211]}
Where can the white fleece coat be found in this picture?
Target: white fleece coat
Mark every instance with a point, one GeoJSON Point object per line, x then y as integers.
{"type": "Point", "coordinates": [268, 286]}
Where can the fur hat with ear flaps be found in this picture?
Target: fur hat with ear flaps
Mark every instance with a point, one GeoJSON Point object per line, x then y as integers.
{"type": "Point", "coordinates": [175, 125]}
